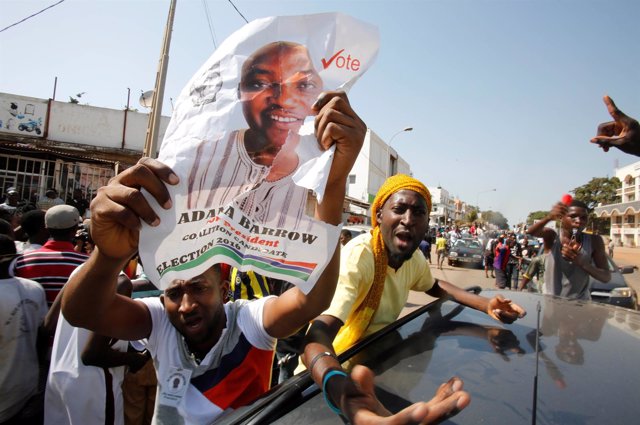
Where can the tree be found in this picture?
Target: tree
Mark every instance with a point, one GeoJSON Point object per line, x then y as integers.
{"type": "Point", "coordinates": [472, 216]}
{"type": "Point", "coordinates": [536, 215]}
{"type": "Point", "coordinates": [599, 190]}
{"type": "Point", "coordinates": [496, 218]}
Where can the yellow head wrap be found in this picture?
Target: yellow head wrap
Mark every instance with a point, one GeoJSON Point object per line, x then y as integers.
{"type": "Point", "coordinates": [358, 321]}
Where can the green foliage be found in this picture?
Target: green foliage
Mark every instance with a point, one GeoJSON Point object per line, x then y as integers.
{"type": "Point", "coordinates": [496, 218]}
{"type": "Point", "coordinates": [472, 216]}
{"type": "Point", "coordinates": [536, 215]}
{"type": "Point", "coordinates": [598, 190]}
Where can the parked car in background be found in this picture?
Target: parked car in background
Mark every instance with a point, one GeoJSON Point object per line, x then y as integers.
{"type": "Point", "coordinates": [616, 291]}
{"type": "Point", "coordinates": [466, 251]}
{"type": "Point", "coordinates": [570, 363]}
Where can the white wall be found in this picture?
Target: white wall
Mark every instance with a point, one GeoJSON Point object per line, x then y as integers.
{"type": "Point", "coordinates": [99, 127]}
{"type": "Point", "coordinates": [79, 124]}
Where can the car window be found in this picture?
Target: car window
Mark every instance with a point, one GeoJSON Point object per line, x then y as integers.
{"type": "Point", "coordinates": [474, 244]}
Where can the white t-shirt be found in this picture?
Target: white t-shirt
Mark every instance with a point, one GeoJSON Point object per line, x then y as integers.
{"type": "Point", "coordinates": [192, 393]}
{"type": "Point", "coordinates": [22, 310]}
{"type": "Point", "coordinates": [76, 393]}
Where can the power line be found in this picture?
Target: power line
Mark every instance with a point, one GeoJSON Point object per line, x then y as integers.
{"type": "Point", "coordinates": [208, 14]}
{"type": "Point", "coordinates": [31, 16]}
{"type": "Point", "coordinates": [239, 13]}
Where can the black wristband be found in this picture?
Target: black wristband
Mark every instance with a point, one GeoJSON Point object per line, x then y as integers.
{"type": "Point", "coordinates": [318, 357]}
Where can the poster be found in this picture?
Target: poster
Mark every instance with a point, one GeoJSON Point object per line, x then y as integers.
{"type": "Point", "coordinates": [242, 141]}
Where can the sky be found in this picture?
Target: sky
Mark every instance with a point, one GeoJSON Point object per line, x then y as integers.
{"type": "Point", "coordinates": [501, 95]}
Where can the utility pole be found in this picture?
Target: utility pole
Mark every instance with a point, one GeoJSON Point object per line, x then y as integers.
{"type": "Point", "coordinates": [153, 127]}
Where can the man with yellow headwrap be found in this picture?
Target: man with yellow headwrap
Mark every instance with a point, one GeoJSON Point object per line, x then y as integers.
{"type": "Point", "coordinates": [377, 271]}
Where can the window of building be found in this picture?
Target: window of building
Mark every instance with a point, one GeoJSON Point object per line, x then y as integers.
{"type": "Point", "coordinates": [352, 178]}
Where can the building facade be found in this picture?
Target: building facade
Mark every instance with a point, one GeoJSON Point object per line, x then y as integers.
{"type": "Point", "coordinates": [625, 215]}
{"type": "Point", "coordinates": [47, 144]}
{"type": "Point", "coordinates": [376, 161]}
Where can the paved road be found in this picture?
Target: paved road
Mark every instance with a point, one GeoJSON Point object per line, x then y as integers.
{"type": "Point", "coordinates": [466, 276]}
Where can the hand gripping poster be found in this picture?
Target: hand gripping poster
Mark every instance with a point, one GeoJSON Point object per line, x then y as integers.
{"type": "Point", "coordinates": [242, 141]}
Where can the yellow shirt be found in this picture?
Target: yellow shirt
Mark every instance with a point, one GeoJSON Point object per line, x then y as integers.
{"type": "Point", "coordinates": [441, 244]}
{"type": "Point", "coordinates": [356, 277]}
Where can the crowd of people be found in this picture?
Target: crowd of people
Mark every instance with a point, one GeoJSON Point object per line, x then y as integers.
{"type": "Point", "coordinates": [72, 333]}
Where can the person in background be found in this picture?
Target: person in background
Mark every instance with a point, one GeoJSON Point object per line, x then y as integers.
{"type": "Point", "coordinates": [52, 264]}
{"type": "Point", "coordinates": [10, 203]}
{"type": "Point", "coordinates": [611, 247]}
{"type": "Point", "coordinates": [33, 227]}
{"type": "Point", "coordinates": [87, 370]}
{"type": "Point", "coordinates": [50, 199]}
{"type": "Point", "coordinates": [489, 254]}
{"type": "Point", "coordinates": [345, 236]}
{"type": "Point", "coordinates": [425, 247]}
{"type": "Point", "coordinates": [441, 249]}
{"type": "Point", "coordinates": [22, 342]}
{"type": "Point", "coordinates": [79, 201]}
{"type": "Point", "coordinates": [576, 256]}
{"type": "Point", "coordinates": [500, 260]}
{"type": "Point", "coordinates": [513, 264]}
{"type": "Point", "coordinates": [537, 268]}
{"type": "Point", "coordinates": [623, 132]}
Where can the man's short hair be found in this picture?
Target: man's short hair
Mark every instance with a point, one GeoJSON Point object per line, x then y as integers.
{"type": "Point", "coordinates": [32, 222]}
{"type": "Point", "coordinates": [5, 227]}
{"type": "Point", "coordinates": [579, 204]}
{"type": "Point", "coordinates": [7, 248]}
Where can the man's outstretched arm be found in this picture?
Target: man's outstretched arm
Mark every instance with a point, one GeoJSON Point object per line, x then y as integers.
{"type": "Point", "coordinates": [353, 394]}
{"type": "Point", "coordinates": [498, 307]}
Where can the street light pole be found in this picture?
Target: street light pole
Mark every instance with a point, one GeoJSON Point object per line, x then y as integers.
{"type": "Point", "coordinates": [478, 197]}
{"type": "Point", "coordinates": [389, 171]}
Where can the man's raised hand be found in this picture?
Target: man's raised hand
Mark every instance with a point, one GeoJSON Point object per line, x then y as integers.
{"type": "Point", "coordinates": [118, 207]}
{"type": "Point", "coordinates": [623, 132]}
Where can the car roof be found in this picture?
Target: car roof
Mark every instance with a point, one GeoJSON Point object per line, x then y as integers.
{"type": "Point", "coordinates": [580, 378]}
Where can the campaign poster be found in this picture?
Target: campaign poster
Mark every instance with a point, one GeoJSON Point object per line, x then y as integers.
{"type": "Point", "coordinates": [242, 141]}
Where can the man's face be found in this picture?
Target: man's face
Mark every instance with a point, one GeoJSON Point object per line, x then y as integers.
{"type": "Point", "coordinates": [277, 90]}
{"type": "Point", "coordinates": [195, 308]}
{"type": "Point", "coordinates": [576, 218]}
{"type": "Point", "coordinates": [403, 221]}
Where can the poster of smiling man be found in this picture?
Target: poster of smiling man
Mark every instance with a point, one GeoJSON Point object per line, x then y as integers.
{"type": "Point", "coordinates": [242, 141]}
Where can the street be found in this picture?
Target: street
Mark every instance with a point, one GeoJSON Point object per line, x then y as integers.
{"type": "Point", "coordinates": [467, 276]}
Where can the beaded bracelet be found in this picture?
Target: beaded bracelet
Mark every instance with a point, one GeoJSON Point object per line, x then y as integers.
{"type": "Point", "coordinates": [318, 357]}
{"type": "Point", "coordinates": [326, 378]}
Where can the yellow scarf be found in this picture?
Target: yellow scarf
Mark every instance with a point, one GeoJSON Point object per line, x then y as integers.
{"type": "Point", "coordinates": [359, 320]}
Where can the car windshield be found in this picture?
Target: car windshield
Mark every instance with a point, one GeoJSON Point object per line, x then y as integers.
{"type": "Point", "coordinates": [463, 243]}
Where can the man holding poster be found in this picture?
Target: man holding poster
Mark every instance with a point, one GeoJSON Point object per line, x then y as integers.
{"type": "Point", "coordinates": [211, 356]}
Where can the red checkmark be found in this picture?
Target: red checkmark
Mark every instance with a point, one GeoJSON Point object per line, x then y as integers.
{"type": "Point", "coordinates": [325, 64]}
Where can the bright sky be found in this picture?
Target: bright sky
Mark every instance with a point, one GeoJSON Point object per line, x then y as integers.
{"type": "Point", "coordinates": [501, 94]}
